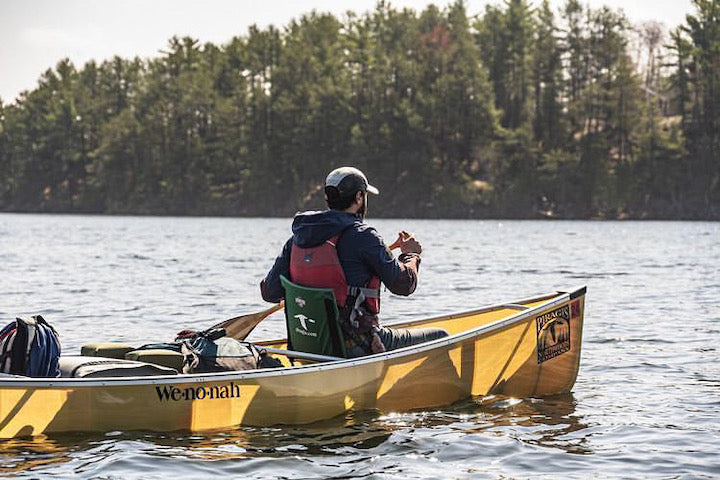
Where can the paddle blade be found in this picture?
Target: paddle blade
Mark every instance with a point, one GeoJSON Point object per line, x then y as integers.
{"type": "Point", "coordinates": [240, 327]}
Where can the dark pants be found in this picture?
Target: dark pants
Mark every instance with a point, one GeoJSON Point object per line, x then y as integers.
{"type": "Point", "coordinates": [394, 338]}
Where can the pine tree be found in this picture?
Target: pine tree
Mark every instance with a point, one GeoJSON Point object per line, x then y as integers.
{"type": "Point", "coordinates": [547, 81]}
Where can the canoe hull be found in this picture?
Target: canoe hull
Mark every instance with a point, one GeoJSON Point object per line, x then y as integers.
{"type": "Point", "coordinates": [534, 351]}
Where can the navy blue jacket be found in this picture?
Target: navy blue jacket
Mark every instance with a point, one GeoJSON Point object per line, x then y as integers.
{"type": "Point", "coordinates": [361, 251]}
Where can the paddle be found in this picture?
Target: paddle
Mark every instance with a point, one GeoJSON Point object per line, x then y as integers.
{"type": "Point", "coordinates": [240, 327]}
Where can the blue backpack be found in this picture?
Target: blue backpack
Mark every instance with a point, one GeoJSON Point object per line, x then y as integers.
{"type": "Point", "coordinates": [30, 347]}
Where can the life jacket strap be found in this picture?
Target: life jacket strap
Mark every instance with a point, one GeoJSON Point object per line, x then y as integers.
{"type": "Point", "coordinates": [366, 292]}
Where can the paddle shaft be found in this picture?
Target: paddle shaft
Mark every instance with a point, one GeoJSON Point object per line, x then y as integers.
{"type": "Point", "coordinates": [302, 355]}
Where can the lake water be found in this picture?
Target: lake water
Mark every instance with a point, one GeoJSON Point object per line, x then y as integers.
{"type": "Point", "coordinates": [646, 402]}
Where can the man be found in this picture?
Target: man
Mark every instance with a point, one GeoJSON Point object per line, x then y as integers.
{"type": "Point", "coordinates": [362, 263]}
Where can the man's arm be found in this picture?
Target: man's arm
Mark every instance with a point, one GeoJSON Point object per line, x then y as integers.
{"type": "Point", "coordinates": [406, 281]}
{"type": "Point", "coordinates": [271, 288]}
{"type": "Point", "coordinates": [399, 275]}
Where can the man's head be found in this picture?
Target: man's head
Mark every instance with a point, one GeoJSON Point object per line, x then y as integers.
{"type": "Point", "coordinates": [346, 187]}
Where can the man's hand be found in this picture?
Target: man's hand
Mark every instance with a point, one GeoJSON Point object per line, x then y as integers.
{"type": "Point", "coordinates": [407, 243]}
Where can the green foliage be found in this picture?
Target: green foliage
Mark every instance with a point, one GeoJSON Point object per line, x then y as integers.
{"type": "Point", "coordinates": [517, 112]}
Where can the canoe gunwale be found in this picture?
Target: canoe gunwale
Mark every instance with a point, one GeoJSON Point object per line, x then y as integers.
{"type": "Point", "coordinates": [551, 300]}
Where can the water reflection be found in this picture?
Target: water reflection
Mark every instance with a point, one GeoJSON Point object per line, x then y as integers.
{"type": "Point", "coordinates": [552, 421]}
{"type": "Point", "coordinates": [547, 422]}
{"type": "Point", "coordinates": [27, 454]}
{"type": "Point", "coordinates": [357, 430]}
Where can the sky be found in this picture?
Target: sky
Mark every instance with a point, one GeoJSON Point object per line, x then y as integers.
{"type": "Point", "coordinates": [36, 34]}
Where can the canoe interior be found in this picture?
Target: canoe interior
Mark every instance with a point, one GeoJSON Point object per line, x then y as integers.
{"type": "Point", "coordinates": [453, 323]}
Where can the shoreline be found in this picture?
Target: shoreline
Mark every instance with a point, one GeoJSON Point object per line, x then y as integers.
{"type": "Point", "coordinates": [373, 216]}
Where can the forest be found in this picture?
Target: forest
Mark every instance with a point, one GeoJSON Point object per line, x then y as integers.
{"type": "Point", "coordinates": [518, 111]}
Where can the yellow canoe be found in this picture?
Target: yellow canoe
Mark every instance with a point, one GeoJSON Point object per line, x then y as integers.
{"type": "Point", "coordinates": [524, 348]}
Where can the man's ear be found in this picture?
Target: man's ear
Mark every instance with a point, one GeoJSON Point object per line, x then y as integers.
{"type": "Point", "coordinates": [359, 196]}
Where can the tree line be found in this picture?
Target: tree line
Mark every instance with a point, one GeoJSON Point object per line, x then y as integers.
{"type": "Point", "coordinates": [517, 112]}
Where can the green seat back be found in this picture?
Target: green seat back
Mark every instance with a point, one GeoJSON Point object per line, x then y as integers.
{"type": "Point", "coordinates": [312, 320]}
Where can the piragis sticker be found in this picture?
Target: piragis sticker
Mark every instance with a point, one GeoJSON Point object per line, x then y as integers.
{"type": "Point", "coordinates": [553, 333]}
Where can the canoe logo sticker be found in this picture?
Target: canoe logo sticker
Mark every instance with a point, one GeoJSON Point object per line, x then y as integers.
{"type": "Point", "coordinates": [171, 393]}
{"type": "Point", "coordinates": [553, 333]}
{"type": "Point", "coordinates": [304, 324]}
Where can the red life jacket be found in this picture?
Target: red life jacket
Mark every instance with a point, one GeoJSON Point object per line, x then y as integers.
{"type": "Point", "coordinates": [319, 267]}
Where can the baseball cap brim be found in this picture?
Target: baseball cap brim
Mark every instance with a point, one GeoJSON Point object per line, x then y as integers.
{"type": "Point", "coordinates": [373, 190]}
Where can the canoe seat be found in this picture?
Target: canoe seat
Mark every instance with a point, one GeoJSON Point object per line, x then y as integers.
{"type": "Point", "coordinates": [312, 320]}
{"type": "Point", "coordinates": [106, 350]}
{"type": "Point", "coordinates": [158, 356]}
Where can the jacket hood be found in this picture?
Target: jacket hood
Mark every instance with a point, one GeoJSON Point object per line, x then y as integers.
{"type": "Point", "coordinates": [313, 228]}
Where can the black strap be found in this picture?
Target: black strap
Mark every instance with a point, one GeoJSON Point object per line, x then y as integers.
{"type": "Point", "coordinates": [41, 321]}
{"type": "Point", "coordinates": [18, 359]}
{"type": "Point", "coordinates": [8, 338]}
{"type": "Point", "coordinates": [92, 363]}
{"type": "Point", "coordinates": [335, 337]}
{"type": "Point", "coordinates": [174, 346]}
{"type": "Point", "coordinates": [351, 333]}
